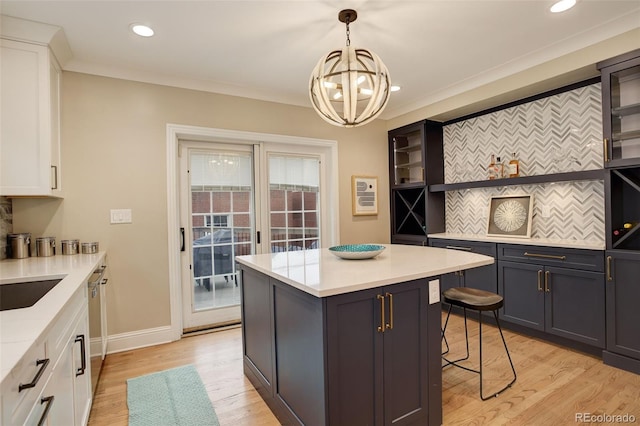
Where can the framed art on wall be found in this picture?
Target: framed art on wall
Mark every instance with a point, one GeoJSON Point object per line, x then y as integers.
{"type": "Point", "coordinates": [364, 195]}
{"type": "Point", "coordinates": [510, 216]}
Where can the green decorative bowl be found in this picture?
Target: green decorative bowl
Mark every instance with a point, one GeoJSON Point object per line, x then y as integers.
{"type": "Point", "coordinates": [357, 251]}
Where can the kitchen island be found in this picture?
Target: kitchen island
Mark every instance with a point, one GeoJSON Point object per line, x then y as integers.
{"type": "Point", "coordinates": [329, 341]}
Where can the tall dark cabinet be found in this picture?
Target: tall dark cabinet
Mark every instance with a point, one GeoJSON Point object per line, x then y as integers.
{"type": "Point", "coordinates": [621, 128]}
{"type": "Point", "coordinates": [416, 161]}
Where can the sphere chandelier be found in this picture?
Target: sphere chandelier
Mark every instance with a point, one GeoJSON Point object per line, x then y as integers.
{"type": "Point", "coordinates": [349, 87]}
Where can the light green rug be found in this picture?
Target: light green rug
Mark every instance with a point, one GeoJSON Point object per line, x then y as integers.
{"type": "Point", "coordinates": [171, 397]}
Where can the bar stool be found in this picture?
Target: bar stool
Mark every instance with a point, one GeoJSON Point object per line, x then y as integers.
{"type": "Point", "coordinates": [476, 300]}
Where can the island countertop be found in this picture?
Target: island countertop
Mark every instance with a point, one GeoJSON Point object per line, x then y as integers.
{"type": "Point", "coordinates": [320, 273]}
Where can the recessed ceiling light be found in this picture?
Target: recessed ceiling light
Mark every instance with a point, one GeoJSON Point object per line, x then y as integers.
{"type": "Point", "coordinates": [394, 88]}
{"type": "Point", "coordinates": [562, 5]}
{"type": "Point", "coordinates": [142, 30]}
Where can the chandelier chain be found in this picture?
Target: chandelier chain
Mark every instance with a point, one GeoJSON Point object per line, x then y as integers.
{"type": "Point", "coordinates": [348, 32]}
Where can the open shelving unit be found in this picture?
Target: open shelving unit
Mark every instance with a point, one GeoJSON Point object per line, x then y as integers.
{"type": "Point", "coordinates": [524, 180]}
{"type": "Point", "coordinates": [415, 161]}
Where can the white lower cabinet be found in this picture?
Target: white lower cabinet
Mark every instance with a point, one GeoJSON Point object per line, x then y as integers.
{"type": "Point", "coordinates": [65, 397]}
{"type": "Point", "coordinates": [81, 370]}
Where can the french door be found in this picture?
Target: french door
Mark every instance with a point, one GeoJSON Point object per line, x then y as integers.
{"type": "Point", "coordinates": [241, 199]}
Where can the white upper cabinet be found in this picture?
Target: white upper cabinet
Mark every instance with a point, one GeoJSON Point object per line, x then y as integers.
{"type": "Point", "coordinates": [30, 110]}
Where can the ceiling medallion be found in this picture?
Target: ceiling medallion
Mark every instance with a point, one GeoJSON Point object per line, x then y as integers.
{"type": "Point", "coordinates": [349, 87]}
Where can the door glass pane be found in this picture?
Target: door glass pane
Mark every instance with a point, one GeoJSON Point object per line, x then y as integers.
{"type": "Point", "coordinates": [625, 113]}
{"type": "Point", "coordinates": [222, 220]}
{"type": "Point", "coordinates": [294, 202]}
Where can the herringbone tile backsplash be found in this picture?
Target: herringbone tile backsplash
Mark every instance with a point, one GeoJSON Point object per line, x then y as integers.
{"type": "Point", "coordinates": [560, 133]}
{"type": "Point", "coordinates": [576, 210]}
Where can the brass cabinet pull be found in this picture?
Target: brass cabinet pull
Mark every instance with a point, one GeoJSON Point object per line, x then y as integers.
{"type": "Point", "coordinates": [606, 150]}
{"type": "Point", "coordinates": [609, 276]}
{"type": "Point", "coordinates": [547, 274]}
{"type": "Point", "coordinates": [381, 326]}
{"type": "Point", "coordinates": [54, 169]}
{"type": "Point", "coordinates": [459, 248]}
{"type": "Point", "coordinates": [423, 179]}
{"type": "Point", "coordinates": [540, 280]}
{"type": "Point", "coordinates": [545, 256]}
{"type": "Point", "coordinates": [390, 323]}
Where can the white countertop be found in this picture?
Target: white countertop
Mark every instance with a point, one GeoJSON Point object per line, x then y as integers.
{"type": "Point", "coordinates": [320, 273]}
{"type": "Point", "coordinates": [547, 242]}
{"type": "Point", "coordinates": [21, 328]}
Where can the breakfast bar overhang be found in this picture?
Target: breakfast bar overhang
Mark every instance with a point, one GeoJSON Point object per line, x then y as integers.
{"type": "Point", "coordinates": [330, 341]}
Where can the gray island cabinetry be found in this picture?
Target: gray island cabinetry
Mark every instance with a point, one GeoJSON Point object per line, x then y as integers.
{"type": "Point", "coordinates": [329, 341]}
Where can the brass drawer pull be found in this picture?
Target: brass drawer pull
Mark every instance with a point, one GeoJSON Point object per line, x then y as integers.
{"type": "Point", "coordinates": [545, 256]}
{"type": "Point", "coordinates": [609, 276]}
{"type": "Point", "coordinates": [381, 326]}
{"type": "Point", "coordinates": [459, 248]}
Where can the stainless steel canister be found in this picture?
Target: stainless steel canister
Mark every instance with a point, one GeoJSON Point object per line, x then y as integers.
{"type": "Point", "coordinates": [19, 245]}
{"type": "Point", "coordinates": [70, 246]}
{"type": "Point", "coordinates": [89, 248]}
{"type": "Point", "coordinates": [45, 246]}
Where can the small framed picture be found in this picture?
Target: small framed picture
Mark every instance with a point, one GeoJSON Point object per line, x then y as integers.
{"type": "Point", "coordinates": [510, 216]}
{"type": "Point", "coordinates": [364, 195]}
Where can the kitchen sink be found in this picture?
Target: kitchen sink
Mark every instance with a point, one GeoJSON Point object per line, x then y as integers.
{"type": "Point", "coordinates": [24, 294]}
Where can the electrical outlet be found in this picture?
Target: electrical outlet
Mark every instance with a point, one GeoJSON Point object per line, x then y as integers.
{"type": "Point", "coordinates": [120, 215]}
{"type": "Point", "coordinates": [434, 291]}
{"type": "Point", "coordinates": [545, 211]}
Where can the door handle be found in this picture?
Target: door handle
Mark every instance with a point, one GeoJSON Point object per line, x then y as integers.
{"type": "Point", "coordinates": [181, 239]}
{"type": "Point", "coordinates": [381, 326]}
{"type": "Point", "coordinates": [390, 323]}
{"type": "Point", "coordinates": [54, 169]}
{"type": "Point", "coordinates": [540, 280]}
{"type": "Point", "coordinates": [606, 150]}
{"type": "Point", "coordinates": [547, 275]}
{"type": "Point", "coordinates": [83, 353]}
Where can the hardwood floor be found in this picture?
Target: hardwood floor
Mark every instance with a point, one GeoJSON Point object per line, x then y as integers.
{"type": "Point", "coordinates": [218, 358]}
{"type": "Point", "coordinates": [554, 384]}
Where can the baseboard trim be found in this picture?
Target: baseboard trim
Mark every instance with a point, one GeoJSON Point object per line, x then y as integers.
{"type": "Point", "coordinates": [621, 361]}
{"type": "Point", "coordinates": [139, 339]}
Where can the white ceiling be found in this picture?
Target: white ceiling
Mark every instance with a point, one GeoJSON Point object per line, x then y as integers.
{"type": "Point", "coordinates": [266, 49]}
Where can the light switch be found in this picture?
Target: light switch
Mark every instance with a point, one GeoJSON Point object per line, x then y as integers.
{"type": "Point", "coordinates": [434, 291]}
{"type": "Point", "coordinates": [120, 215]}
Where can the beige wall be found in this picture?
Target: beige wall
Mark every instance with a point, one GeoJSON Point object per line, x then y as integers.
{"type": "Point", "coordinates": [570, 68]}
{"type": "Point", "coordinates": [113, 154]}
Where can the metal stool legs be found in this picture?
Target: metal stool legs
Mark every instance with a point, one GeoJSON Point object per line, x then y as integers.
{"type": "Point", "coordinates": [466, 335]}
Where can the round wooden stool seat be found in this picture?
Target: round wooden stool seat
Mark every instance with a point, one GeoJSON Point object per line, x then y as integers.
{"type": "Point", "coordinates": [472, 298]}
